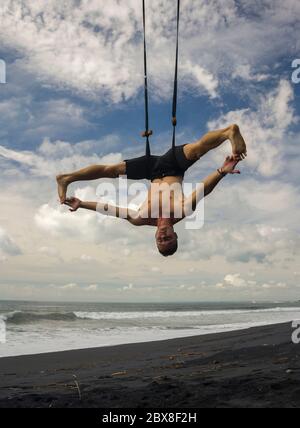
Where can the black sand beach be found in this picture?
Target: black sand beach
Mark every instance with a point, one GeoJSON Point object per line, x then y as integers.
{"type": "Point", "coordinates": [254, 368]}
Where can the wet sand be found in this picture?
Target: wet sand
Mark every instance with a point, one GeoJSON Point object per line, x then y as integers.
{"type": "Point", "coordinates": [256, 368]}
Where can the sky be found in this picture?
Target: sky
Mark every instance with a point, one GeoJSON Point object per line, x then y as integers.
{"type": "Point", "coordinates": [74, 97]}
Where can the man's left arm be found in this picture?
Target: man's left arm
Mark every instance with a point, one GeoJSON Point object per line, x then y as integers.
{"type": "Point", "coordinates": [105, 209]}
{"type": "Point", "coordinates": [209, 184]}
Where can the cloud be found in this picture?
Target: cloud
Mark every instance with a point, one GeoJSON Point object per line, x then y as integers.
{"type": "Point", "coordinates": [49, 251]}
{"type": "Point", "coordinates": [265, 128]}
{"type": "Point", "coordinates": [235, 281]}
{"type": "Point", "coordinates": [245, 72]}
{"type": "Point", "coordinates": [92, 287]}
{"type": "Point", "coordinates": [87, 259]}
{"type": "Point", "coordinates": [256, 201]}
{"type": "Point", "coordinates": [184, 287]}
{"type": "Point", "coordinates": [60, 222]}
{"type": "Point", "coordinates": [53, 158]}
{"type": "Point", "coordinates": [116, 236]}
{"type": "Point", "coordinates": [31, 118]}
{"type": "Point", "coordinates": [7, 245]}
{"type": "Point", "coordinates": [67, 287]}
{"type": "Point", "coordinates": [241, 243]}
{"type": "Point", "coordinates": [195, 74]}
{"type": "Point", "coordinates": [91, 49]}
{"type": "Point", "coordinates": [279, 285]}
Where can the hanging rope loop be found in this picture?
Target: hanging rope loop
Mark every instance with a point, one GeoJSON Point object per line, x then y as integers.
{"type": "Point", "coordinates": [147, 134]}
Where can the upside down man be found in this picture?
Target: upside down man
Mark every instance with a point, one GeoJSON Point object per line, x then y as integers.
{"type": "Point", "coordinates": [163, 172]}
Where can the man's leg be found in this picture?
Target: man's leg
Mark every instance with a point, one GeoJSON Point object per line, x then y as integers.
{"type": "Point", "coordinates": [93, 172]}
{"type": "Point", "coordinates": [214, 139]}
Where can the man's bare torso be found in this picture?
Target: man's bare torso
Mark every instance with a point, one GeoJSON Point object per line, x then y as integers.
{"type": "Point", "coordinates": [165, 200]}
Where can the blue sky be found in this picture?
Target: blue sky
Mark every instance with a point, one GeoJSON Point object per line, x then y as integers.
{"type": "Point", "coordinates": [194, 111]}
{"type": "Point", "coordinates": [74, 96]}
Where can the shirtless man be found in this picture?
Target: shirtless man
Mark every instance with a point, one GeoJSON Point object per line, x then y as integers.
{"type": "Point", "coordinates": [163, 172]}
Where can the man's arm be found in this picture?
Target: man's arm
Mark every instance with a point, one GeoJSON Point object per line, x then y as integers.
{"type": "Point", "coordinates": [209, 184]}
{"type": "Point", "coordinates": [106, 209]}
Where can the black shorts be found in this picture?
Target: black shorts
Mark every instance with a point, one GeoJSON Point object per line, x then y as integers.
{"type": "Point", "coordinates": [151, 168]}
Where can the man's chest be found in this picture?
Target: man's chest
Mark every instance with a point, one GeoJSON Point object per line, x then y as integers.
{"type": "Point", "coordinates": [163, 203]}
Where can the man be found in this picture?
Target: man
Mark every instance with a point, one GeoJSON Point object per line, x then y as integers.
{"type": "Point", "coordinates": [165, 172]}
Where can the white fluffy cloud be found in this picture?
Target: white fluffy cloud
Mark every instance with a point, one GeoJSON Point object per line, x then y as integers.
{"type": "Point", "coordinates": [114, 235]}
{"type": "Point", "coordinates": [96, 46]}
{"type": "Point", "coordinates": [234, 281]}
{"type": "Point", "coordinates": [240, 243]}
{"type": "Point", "coordinates": [56, 157]}
{"type": "Point", "coordinates": [265, 128]}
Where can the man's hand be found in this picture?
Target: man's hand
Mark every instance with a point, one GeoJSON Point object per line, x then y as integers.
{"type": "Point", "coordinates": [230, 164]}
{"type": "Point", "coordinates": [74, 203]}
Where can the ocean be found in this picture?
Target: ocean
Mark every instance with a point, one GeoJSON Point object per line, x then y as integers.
{"type": "Point", "coordinates": [33, 328]}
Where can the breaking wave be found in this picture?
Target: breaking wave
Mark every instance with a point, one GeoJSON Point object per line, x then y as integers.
{"type": "Point", "coordinates": [20, 317]}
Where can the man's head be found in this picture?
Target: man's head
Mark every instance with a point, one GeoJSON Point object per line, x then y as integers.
{"type": "Point", "coordinates": [166, 240]}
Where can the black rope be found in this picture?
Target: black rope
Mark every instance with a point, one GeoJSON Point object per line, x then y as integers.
{"type": "Point", "coordinates": [147, 132]}
{"type": "Point", "coordinates": [174, 109]}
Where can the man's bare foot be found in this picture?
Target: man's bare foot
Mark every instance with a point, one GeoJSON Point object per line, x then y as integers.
{"type": "Point", "coordinates": [62, 184]}
{"type": "Point", "coordinates": [238, 143]}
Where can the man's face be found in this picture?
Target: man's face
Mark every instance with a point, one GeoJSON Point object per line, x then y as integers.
{"type": "Point", "coordinates": [166, 240]}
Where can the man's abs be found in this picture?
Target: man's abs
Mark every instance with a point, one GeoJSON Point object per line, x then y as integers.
{"type": "Point", "coordinates": [165, 200]}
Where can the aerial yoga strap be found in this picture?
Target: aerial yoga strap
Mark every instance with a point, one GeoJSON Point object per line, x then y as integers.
{"type": "Point", "coordinates": [174, 109]}
{"type": "Point", "coordinates": [147, 133]}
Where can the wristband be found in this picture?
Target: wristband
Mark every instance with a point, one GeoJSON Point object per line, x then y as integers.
{"type": "Point", "coordinates": [222, 174]}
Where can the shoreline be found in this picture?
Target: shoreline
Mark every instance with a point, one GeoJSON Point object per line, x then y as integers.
{"type": "Point", "coordinates": [189, 333]}
{"type": "Point", "coordinates": [257, 367]}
